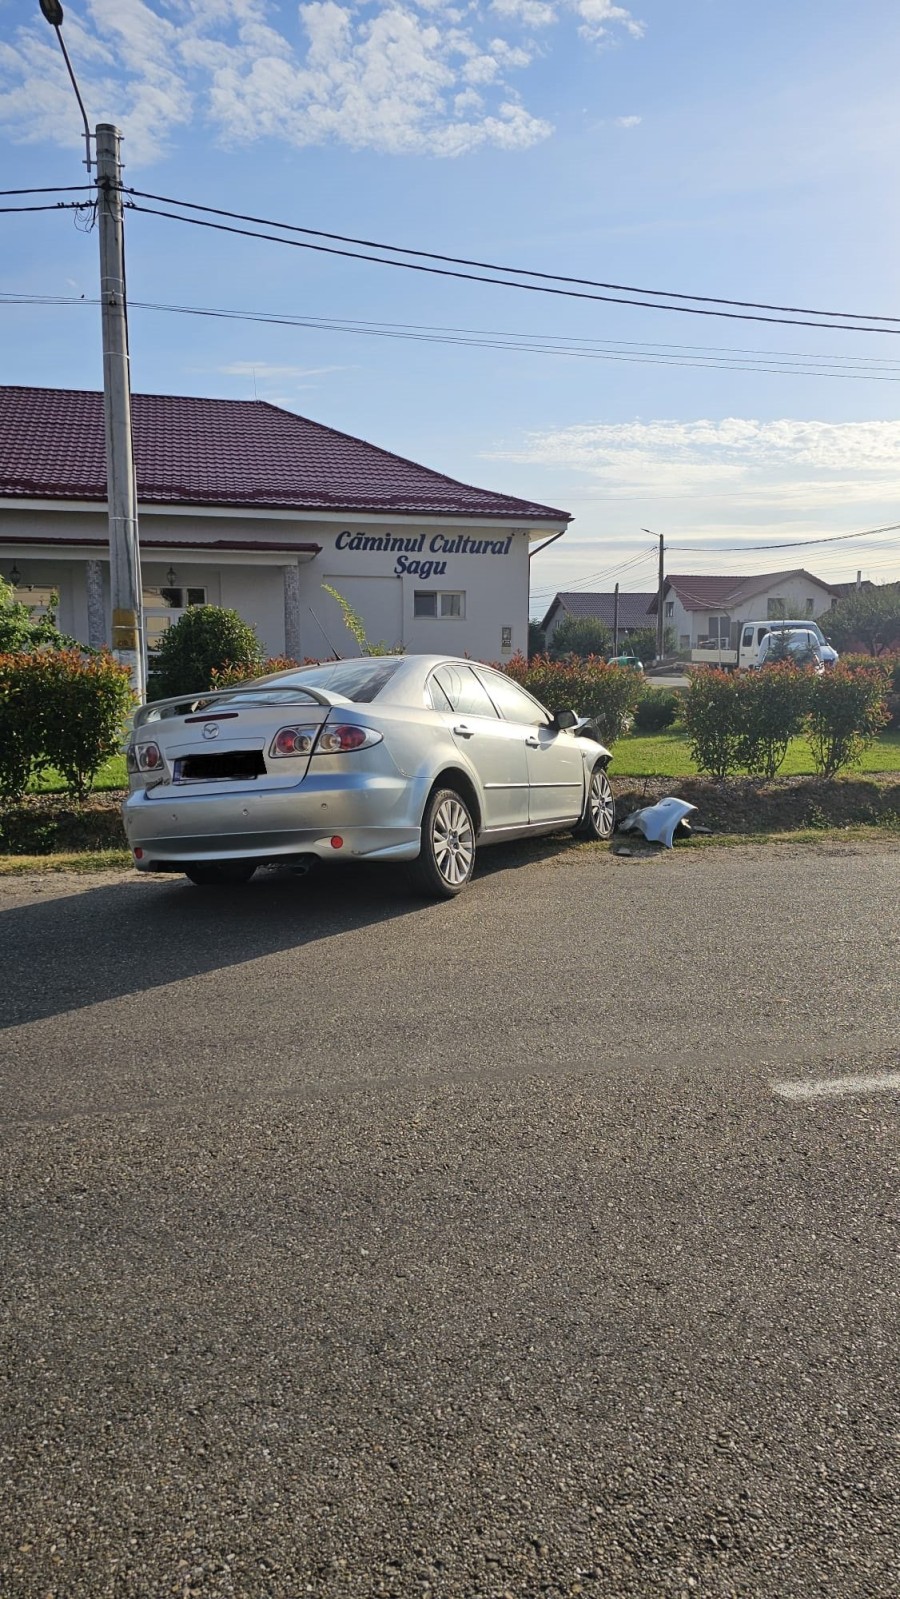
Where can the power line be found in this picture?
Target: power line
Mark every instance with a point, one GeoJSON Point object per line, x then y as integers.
{"type": "Point", "coordinates": [788, 363]}
{"type": "Point", "coordinates": [493, 266]}
{"type": "Point", "coordinates": [508, 283]}
{"type": "Point", "coordinates": [578, 585]}
{"type": "Point", "coordinates": [856, 368]}
{"type": "Point", "coordinates": [59, 188]}
{"type": "Point", "coordinates": [793, 544]}
{"type": "Point", "coordinates": [61, 205]}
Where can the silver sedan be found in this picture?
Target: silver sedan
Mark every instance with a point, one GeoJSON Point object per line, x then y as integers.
{"type": "Point", "coordinates": [415, 758]}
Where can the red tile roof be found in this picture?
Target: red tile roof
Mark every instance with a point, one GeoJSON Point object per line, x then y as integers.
{"type": "Point", "coordinates": [701, 593]}
{"type": "Point", "coordinates": [242, 453]}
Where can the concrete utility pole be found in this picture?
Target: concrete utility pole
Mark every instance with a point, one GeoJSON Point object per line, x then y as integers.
{"type": "Point", "coordinates": [121, 488]}
{"type": "Point", "coordinates": [616, 620]}
{"type": "Point", "coordinates": [660, 593]}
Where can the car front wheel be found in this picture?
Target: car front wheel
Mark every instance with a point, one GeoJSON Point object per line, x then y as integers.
{"type": "Point", "coordinates": [447, 855]}
{"type": "Point", "coordinates": [217, 874]}
{"type": "Point", "coordinates": [599, 817]}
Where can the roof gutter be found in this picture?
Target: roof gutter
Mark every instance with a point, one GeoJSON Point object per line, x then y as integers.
{"type": "Point", "coordinates": [533, 553]}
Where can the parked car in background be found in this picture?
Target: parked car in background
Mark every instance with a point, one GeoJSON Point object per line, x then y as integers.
{"type": "Point", "coordinates": [626, 660]}
{"type": "Point", "coordinates": [751, 637]}
{"type": "Point", "coordinates": [387, 758]}
{"type": "Point", "coordinates": [797, 644]}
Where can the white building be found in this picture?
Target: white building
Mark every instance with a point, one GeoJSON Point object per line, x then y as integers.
{"type": "Point", "coordinates": [245, 505]}
{"type": "Point", "coordinates": [701, 608]}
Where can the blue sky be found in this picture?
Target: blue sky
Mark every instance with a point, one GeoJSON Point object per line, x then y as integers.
{"type": "Point", "coordinates": [709, 146]}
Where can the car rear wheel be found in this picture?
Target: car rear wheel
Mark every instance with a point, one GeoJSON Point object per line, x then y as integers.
{"type": "Point", "coordinates": [599, 817]}
{"type": "Point", "coordinates": [217, 874]}
{"type": "Point", "coordinates": [447, 856]}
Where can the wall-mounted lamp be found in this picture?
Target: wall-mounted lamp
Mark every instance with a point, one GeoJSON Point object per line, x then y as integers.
{"type": "Point", "coordinates": [171, 576]}
{"type": "Point", "coordinates": [15, 577]}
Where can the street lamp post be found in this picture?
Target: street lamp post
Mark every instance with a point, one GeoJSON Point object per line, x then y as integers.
{"type": "Point", "coordinates": [121, 489]}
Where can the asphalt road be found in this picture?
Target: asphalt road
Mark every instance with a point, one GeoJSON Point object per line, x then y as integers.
{"type": "Point", "coordinates": [354, 1246]}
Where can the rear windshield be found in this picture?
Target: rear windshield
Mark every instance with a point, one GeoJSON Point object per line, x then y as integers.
{"type": "Point", "coordinates": [357, 680]}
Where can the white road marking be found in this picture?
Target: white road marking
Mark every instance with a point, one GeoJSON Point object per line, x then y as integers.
{"type": "Point", "coordinates": [840, 1087]}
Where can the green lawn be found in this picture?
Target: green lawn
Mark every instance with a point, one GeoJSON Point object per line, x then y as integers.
{"type": "Point", "coordinates": [667, 755]}
{"type": "Point", "coordinates": [640, 755]}
{"type": "Point", "coordinates": [111, 775]}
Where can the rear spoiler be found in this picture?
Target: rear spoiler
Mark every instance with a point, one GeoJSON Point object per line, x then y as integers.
{"type": "Point", "coordinates": [181, 704]}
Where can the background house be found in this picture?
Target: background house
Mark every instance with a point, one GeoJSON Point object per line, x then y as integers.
{"type": "Point", "coordinates": [246, 505]}
{"type": "Point", "coordinates": [633, 611]}
{"type": "Point", "coordinates": [702, 608]}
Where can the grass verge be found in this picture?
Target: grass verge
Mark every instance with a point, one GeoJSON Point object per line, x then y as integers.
{"type": "Point", "coordinates": [98, 860]}
{"type": "Point", "coordinates": [668, 755]}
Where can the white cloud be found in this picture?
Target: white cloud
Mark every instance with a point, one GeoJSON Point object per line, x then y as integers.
{"type": "Point", "coordinates": [531, 13]}
{"type": "Point", "coordinates": [396, 76]}
{"type": "Point", "coordinates": [627, 122]}
{"type": "Point", "coordinates": [786, 465]}
{"type": "Point", "coordinates": [265, 372]}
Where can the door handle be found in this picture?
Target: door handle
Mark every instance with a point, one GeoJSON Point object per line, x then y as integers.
{"type": "Point", "coordinates": [462, 731]}
{"type": "Point", "coordinates": [533, 743]}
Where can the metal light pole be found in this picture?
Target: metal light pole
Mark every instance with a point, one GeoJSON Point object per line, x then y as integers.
{"type": "Point", "coordinates": [121, 489]}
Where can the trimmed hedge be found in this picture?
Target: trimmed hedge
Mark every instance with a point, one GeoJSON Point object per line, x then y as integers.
{"type": "Point", "coordinates": [63, 709]}
{"type": "Point", "coordinates": [745, 721]}
{"type": "Point", "coordinates": [607, 694]}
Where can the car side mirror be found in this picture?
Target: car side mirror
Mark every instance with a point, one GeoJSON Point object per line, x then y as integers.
{"type": "Point", "coordinates": [563, 720]}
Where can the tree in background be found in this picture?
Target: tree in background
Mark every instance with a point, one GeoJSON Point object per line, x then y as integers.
{"type": "Point", "coordinates": [869, 616]}
{"type": "Point", "coordinates": [206, 638]}
{"type": "Point", "coordinates": [537, 642]}
{"type": "Point", "coordinates": [581, 636]}
{"type": "Point", "coordinates": [641, 641]}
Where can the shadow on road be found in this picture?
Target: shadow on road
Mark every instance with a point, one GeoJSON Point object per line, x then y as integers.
{"type": "Point", "coordinates": [68, 951]}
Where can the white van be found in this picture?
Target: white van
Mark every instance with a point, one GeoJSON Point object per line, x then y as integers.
{"type": "Point", "coordinates": [750, 638]}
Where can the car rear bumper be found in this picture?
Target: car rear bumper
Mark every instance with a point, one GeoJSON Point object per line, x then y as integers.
{"type": "Point", "coordinates": [377, 819]}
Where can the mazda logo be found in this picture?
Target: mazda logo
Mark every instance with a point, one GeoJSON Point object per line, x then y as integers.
{"type": "Point", "coordinates": [210, 730]}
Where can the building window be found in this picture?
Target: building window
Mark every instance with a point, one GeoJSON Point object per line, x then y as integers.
{"type": "Point", "coordinates": [670, 607]}
{"type": "Point", "coordinates": [719, 629]}
{"type": "Point", "coordinates": [163, 606]}
{"type": "Point", "coordinates": [810, 606]}
{"type": "Point", "coordinates": [445, 604]}
{"type": "Point", "coordinates": [775, 609]}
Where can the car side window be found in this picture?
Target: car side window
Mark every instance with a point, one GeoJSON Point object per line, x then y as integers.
{"type": "Point", "coordinates": [462, 690]}
{"type": "Point", "coordinates": [513, 703]}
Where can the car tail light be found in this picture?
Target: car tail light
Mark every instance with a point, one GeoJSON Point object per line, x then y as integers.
{"type": "Point", "coordinates": [144, 757]}
{"type": "Point", "coordinates": [294, 740]}
{"type": "Point", "coordinates": [335, 740]}
{"type": "Point", "coordinates": [323, 740]}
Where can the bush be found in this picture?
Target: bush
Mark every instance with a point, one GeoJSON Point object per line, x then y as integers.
{"type": "Point", "coordinates": [887, 669]}
{"type": "Point", "coordinates": [607, 694]}
{"type": "Point", "coordinates": [771, 706]}
{"type": "Point", "coordinates": [657, 709]}
{"type": "Point", "coordinates": [21, 630]}
{"type": "Point", "coordinates": [847, 709]}
{"type": "Point", "coordinates": [712, 717]}
{"type": "Point", "coordinates": [63, 709]}
{"type": "Point", "coordinates": [226, 676]}
{"type": "Point", "coordinates": [205, 639]}
{"type": "Point", "coordinates": [642, 642]}
{"type": "Point", "coordinates": [583, 636]}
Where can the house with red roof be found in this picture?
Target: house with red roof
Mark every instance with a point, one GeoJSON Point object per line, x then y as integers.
{"type": "Point", "coordinates": [246, 505]}
{"type": "Point", "coordinates": [704, 609]}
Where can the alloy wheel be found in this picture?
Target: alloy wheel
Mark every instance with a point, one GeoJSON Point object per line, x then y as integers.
{"type": "Point", "coordinates": [453, 841]}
